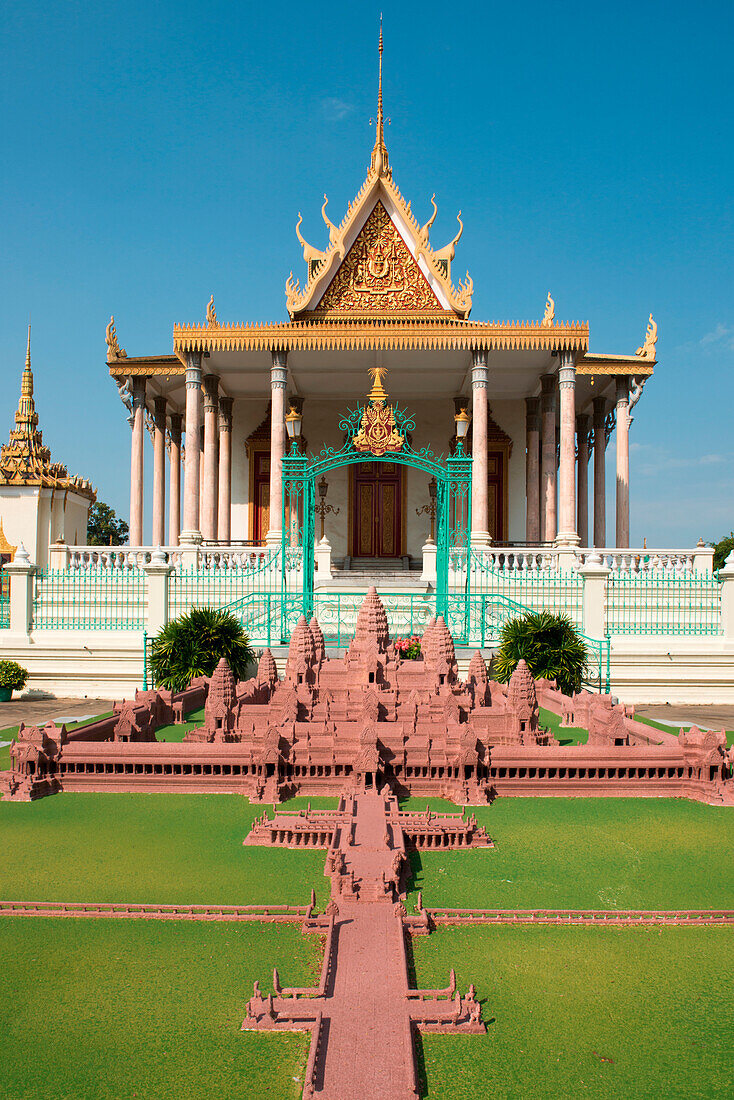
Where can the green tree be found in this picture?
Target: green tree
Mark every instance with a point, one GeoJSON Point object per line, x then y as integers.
{"type": "Point", "coordinates": [549, 643]}
{"type": "Point", "coordinates": [103, 526]}
{"type": "Point", "coordinates": [193, 644]}
{"type": "Point", "coordinates": [722, 550]}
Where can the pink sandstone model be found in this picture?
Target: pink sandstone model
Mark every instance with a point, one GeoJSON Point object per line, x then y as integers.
{"type": "Point", "coordinates": [371, 721]}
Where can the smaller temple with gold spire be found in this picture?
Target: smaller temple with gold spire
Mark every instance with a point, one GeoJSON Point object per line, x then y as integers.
{"type": "Point", "coordinates": [40, 501]}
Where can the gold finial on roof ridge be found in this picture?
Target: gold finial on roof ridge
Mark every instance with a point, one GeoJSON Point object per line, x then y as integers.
{"type": "Point", "coordinates": [647, 351]}
{"type": "Point", "coordinates": [550, 312]}
{"type": "Point", "coordinates": [380, 162]}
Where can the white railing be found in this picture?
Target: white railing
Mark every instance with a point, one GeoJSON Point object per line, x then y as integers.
{"type": "Point", "coordinates": [222, 558]}
{"type": "Point", "coordinates": [507, 560]}
{"type": "Point", "coordinates": [550, 559]}
{"type": "Point", "coordinates": [675, 562]}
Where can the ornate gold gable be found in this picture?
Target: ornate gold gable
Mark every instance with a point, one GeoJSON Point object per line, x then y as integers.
{"type": "Point", "coordinates": [378, 275]}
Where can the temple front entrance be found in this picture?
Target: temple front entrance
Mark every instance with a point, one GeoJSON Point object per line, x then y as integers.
{"type": "Point", "coordinates": [377, 510]}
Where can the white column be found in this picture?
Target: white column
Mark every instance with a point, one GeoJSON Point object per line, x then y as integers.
{"type": "Point", "coordinates": [548, 458]}
{"type": "Point", "coordinates": [532, 470]}
{"type": "Point", "coordinates": [224, 504]}
{"type": "Point", "coordinates": [191, 533]}
{"type": "Point", "coordinates": [159, 472]}
{"type": "Point", "coordinates": [479, 485]}
{"type": "Point", "coordinates": [278, 382]}
{"type": "Point", "coordinates": [174, 487]}
{"type": "Point", "coordinates": [210, 489]}
{"type": "Point", "coordinates": [567, 533]}
{"type": "Point", "coordinates": [623, 463]}
{"type": "Point", "coordinates": [583, 425]}
{"type": "Point", "coordinates": [137, 462]}
{"type": "Point", "coordinates": [600, 486]}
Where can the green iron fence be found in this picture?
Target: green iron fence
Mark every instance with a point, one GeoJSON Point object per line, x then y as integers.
{"type": "Point", "coordinates": [223, 584]}
{"type": "Point", "coordinates": [664, 603]}
{"type": "Point", "coordinates": [474, 621]}
{"type": "Point", "coordinates": [4, 600]}
{"type": "Point", "coordinates": [536, 589]}
{"type": "Point", "coordinates": [89, 599]}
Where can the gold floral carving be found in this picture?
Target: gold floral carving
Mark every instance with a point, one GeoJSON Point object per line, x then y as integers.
{"type": "Point", "coordinates": [377, 430]}
{"type": "Point", "coordinates": [378, 274]}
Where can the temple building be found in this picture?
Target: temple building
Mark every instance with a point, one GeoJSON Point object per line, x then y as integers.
{"type": "Point", "coordinates": [380, 296]}
{"type": "Point", "coordinates": [40, 502]}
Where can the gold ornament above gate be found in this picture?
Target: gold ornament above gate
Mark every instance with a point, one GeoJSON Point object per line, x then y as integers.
{"type": "Point", "coordinates": [377, 431]}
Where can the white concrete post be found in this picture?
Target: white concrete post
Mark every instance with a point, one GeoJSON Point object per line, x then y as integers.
{"type": "Point", "coordinates": [21, 572]}
{"type": "Point", "coordinates": [429, 574]}
{"type": "Point", "coordinates": [58, 555]}
{"type": "Point", "coordinates": [158, 571]}
{"type": "Point", "coordinates": [595, 576]}
{"type": "Point", "coordinates": [322, 555]}
{"type": "Point", "coordinates": [726, 575]}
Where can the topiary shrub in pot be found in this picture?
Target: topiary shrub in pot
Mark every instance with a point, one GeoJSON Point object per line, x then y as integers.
{"type": "Point", "coordinates": [13, 677]}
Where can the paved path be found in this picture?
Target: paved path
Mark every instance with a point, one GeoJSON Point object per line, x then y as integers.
{"type": "Point", "coordinates": [368, 1050]}
{"type": "Point", "coordinates": [36, 712]}
{"type": "Point", "coordinates": [363, 1046]}
{"type": "Point", "coordinates": [710, 717]}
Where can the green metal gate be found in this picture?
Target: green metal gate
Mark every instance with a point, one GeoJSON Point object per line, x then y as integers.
{"type": "Point", "coordinates": [453, 506]}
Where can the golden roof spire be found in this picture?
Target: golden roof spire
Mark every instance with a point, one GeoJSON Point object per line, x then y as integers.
{"type": "Point", "coordinates": [26, 418]}
{"type": "Point", "coordinates": [380, 161]}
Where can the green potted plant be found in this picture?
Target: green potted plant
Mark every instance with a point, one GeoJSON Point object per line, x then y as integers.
{"type": "Point", "coordinates": [12, 678]}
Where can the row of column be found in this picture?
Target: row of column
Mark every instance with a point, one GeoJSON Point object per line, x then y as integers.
{"type": "Point", "coordinates": [207, 476]}
{"type": "Point", "coordinates": [207, 471]}
{"type": "Point", "coordinates": [571, 487]}
{"type": "Point", "coordinates": [208, 463]}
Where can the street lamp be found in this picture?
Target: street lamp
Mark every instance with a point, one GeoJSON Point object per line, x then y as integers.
{"type": "Point", "coordinates": [462, 421]}
{"type": "Point", "coordinates": [293, 423]}
{"type": "Point", "coordinates": [322, 508]}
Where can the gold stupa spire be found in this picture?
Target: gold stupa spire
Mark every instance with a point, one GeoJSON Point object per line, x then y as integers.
{"type": "Point", "coordinates": [380, 162]}
{"type": "Point", "coordinates": [26, 417]}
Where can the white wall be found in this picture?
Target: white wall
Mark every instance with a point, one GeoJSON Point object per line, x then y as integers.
{"type": "Point", "coordinates": [37, 517]}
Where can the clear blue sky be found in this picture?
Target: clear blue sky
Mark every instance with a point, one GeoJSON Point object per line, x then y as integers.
{"type": "Point", "coordinates": [154, 154]}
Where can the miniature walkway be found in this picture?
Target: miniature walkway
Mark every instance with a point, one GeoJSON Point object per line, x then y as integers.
{"type": "Point", "coordinates": [363, 1013]}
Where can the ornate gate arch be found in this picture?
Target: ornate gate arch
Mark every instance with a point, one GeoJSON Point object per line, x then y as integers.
{"type": "Point", "coordinates": [376, 432]}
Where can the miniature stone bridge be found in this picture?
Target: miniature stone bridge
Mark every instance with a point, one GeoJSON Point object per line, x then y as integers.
{"type": "Point", "coordinates": [363, 1014]}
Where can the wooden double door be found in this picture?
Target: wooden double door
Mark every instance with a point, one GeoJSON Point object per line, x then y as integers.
{"type": "Point", "coordinates": [377, 510]}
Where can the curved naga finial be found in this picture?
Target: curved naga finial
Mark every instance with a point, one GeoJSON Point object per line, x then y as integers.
{"type": "Point", "coordinates": [211, 314]}
{"type": "Point", "coordinates": [334, 238]}
{"type": "Point", "coordinates": [310, 254]}
{"type": "Point", "coordinates": [447, 253]}
{"type": "Point", "coordinates": [647, 351]}
{"type": "Point", "coordinates": [114, 351]}
{"type": "Point", "coordinates": [465, 291]}
{"type": "Point", "coordinates": [292, 291]}
{"type": "Point", "coordinates": [550, 312]}
{"type": "Point", "coordinates": [424, 229]}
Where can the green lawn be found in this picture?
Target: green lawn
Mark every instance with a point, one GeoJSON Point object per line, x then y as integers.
{"type": "Point", "coordinates": [115, 1009]}
{"type": "Point", "coordinates": [573, 735]}
{"type": "Point", "coordinates": [176, 733]}
{"type": "Point", "coordinates": [605, 853]}
{"type": "Point", "coordinates": [613, 1013]}
{"type": "Point", "coordinates": [168, 848]}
